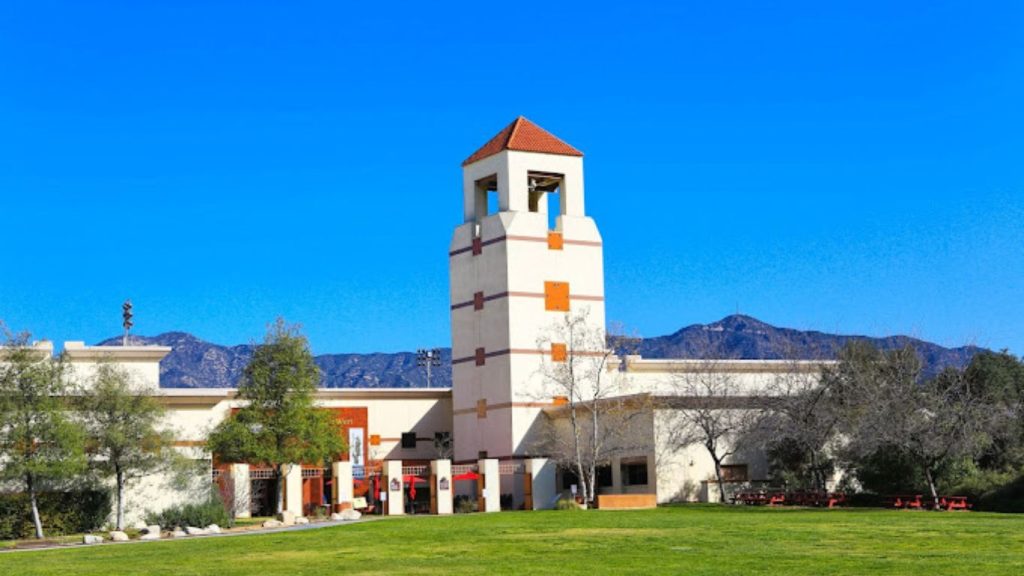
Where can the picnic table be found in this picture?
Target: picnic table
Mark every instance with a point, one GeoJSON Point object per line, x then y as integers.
{"type": "Point", "coordinates": [919, 502]}
{"type": "Point", "coordinates": [798, 498]}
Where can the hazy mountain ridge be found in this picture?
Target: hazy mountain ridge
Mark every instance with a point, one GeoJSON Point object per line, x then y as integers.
{"type": "Point", "coordinates": [195, 363]}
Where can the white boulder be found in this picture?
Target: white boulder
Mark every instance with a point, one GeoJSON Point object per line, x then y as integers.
{"type": "Point", "coordinates": [118, 536]}
{"type": "Point", "coordinates": [273, 524]}
{"type": "Point", "coordinates": [150, 529]}
{"type": "Point", "coordinates": [337, 516]}
{"type": "Point", "coordinates": [287, 517]}
{"type": "Point", "coordinates": [193, 531]}
{"type": "Point", "coordinates": [350, 515]}
{"type": "Point", "coordinates": [301, 520]}
{"type": "Point", "coordinates": [213, 529]}
{"type": "Point", "coordinates": [92, 539]}
{"type": "Point", "coordinates": [179, 534]}
{"type": "Point", "coordinates": [150, 536]}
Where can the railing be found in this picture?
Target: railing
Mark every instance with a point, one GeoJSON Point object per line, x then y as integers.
{"type": "Point", "coordinates": [414, 470]}
{"type": "Point", "coordinates": [261, 474]}
{"type": "Point", "coordinates": [463, 468]}
{"type": "Point", "coordinates": [511, 468]}
{"type": "Point", "coordinates": [312, 472]}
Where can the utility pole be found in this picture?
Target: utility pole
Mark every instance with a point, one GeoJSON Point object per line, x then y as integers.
{"type": "Point", "coordinates": [428, 359]}
{"type": "Point", "coordinates": [126, 313]}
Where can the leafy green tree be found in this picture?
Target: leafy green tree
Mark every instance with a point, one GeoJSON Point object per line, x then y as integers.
{"type": "Point", "coordinates": [124, 430]}
{"type": "Point", "coordinates": [998, 379]}
{"type": "Point", "coordinates": [39, 444]}
{"type": "Point", "coordinates": [278, 424]}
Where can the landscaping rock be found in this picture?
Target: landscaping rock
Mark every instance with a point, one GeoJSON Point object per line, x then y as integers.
{"type": "Point", "coordinates": [150, 536]}
{"type": "Point", "coordinates": [350, 515]}
{"type": "Point", "coordinates": [213, 529]}
{"type": "Point", "coordinates": [178, 534]}
{"type": "Point", "coordinates": [193, 531]}
{"type": "Point", "coordinates": [118, 536]}
{"type": "Point", "coordinates": [92, 539]}
{"type": "Point", "coordinates": [337, 516]}
{"type": "Point", "coordinates": [302, 520]}
{"type": "Point", "coordinates": [150, 529]}
{"type": "Point", "coordinates": [287, 517]}
{"type": "Point", "coordinates": [273, 524]}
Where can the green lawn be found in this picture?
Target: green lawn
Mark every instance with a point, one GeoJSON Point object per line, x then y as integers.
{"type": "Point", "coordinates": [672, 540]}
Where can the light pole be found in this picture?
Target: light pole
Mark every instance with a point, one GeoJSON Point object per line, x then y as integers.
{"type": "Point", "coordinates": [126, 313]}
{"type": "Point", "coordinates": [428, 359]}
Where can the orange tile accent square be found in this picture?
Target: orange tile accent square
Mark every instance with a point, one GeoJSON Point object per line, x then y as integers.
{"type": "Point", "coordinates": [374, 439]}
{"type": "Point", "coordinates": [481, 357]}
{"type": "Point", "coordinates": [558, 352]}
{"type": "Point", "coordinates": [556, 296]}
{"type": "Point", "coordinates": [481, 408]}
{"type": "Point", "coordinates": [478, 301]}
{"type": "Point", "coordinates": [555, 241]}
{"type": "Point", "coordinates": [560, 400]}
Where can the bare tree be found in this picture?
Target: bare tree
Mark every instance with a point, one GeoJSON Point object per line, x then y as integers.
{"type": "Point", "coordinates": [710, 408]}
{"type": "Point", "coordinates": [579, 372]}
{"type": "Point", "coordinates": [802, 410]}
{"type": "Point", "coordinates": [888, 407]}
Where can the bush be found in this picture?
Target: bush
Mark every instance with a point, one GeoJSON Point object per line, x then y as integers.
{"type": "Point", "coordinates": [200, 514]}
{"type": "Point", "coordinates": [61, 513]}
{"type": "Point", "coordinates": [567, 504]}
{"type": "Point", "coordinates": [464, 504]}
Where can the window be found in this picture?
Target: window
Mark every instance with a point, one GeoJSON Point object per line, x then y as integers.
{"type": "Point", "coordinates": [604, 476]}
{"type": "Point", "coordinates": [734, 472]}
{"type": "Point", "coordinates": [544, 190]}
{"type": "Point", "coordinates": [634, 472]}
{"type": "Point", "coordinates": [408, 439]}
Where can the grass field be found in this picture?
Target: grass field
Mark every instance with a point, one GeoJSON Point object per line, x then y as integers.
{"type": "Point", "coordinates": [672, 540]}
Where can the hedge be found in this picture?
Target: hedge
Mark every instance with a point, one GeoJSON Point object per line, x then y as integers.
{"type": "Point", "coordinates": [61, 512]}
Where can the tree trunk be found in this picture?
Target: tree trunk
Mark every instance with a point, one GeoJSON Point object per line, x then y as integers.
{"type": "Point", "coordinates": [30, 484]}
{"type": "Point", "coordinates": [721, 484]}
{"type": "Point", "coordinates": [119, 476]}
{"type": "Point", "coordinates": [931, 486]}
{"type": "Point", "coordinates": [279, 488]}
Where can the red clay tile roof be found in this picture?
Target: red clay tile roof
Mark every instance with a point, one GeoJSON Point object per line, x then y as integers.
{"type": "Point", "coordinates": [524, 136]}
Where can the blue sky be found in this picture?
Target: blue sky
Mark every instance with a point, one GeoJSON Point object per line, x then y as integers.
{"type": "Point", "coordinates": [852, 167]}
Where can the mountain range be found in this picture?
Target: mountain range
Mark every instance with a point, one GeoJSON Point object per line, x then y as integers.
{"type": "Point", "coordinates": [195, 363]}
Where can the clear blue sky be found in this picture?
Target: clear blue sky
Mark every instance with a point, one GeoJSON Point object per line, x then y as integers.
{"type": "Point", "coordinates": [853, 167]}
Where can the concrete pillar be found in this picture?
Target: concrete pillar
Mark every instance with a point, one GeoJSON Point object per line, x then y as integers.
{"type": "Point", "coordinates": [293, 489]}
{"type": "Point", "coordinates": [540, 473]}
{"type": "Point", "coordinates": [341, 489]}
{"type": "Point", "coordinates": [394, 488]}
{"type": "Point", "coordinates": [240, 490]}
{"type": "Point", "coordinates": [617, 486]}
{"type": "Point", "coordinates": [441, 487]}
{"type": "Point", "coordinates": [490, 485]}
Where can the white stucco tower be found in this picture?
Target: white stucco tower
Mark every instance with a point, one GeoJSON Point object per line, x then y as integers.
{"type": "Point", "coordinates": [525, 255]}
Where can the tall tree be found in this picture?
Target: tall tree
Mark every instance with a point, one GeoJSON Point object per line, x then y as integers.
{"type": "Point", "coordinates": [888, 408]}
{"type": "Point", "coordinates": [278, 424]}
{"type": "Point", "coordinates": [579, 374]}
{"type": "Point", "coordinates": [802, 419]}
{"type": "Point", "coordinates": [39, 444]}
{"type": "Point", "coordinates": [124, 430]}
{"type": "Point", "coordinates": [710, 408]}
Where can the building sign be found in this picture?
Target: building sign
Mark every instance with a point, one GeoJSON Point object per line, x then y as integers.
{"type": "Point", "coordinates": [442, 484]}
{"type": "Point", "coordinates": [396, 485]}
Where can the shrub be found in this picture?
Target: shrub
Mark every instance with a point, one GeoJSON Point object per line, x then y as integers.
{"type": "Point", "coordinates": [61, 513]}
{"type": "Point", "coordinates": [464, 504]}
{"type": "Point", "coordinates": [199, 514]}
{"type": "Point", "coordinates": [567, 504]}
